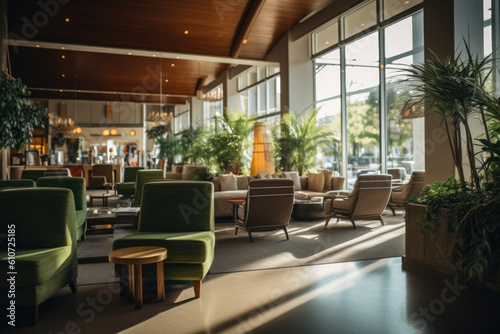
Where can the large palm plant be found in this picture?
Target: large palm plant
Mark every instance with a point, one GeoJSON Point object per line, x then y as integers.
{"type": "Point", "coordinates": [300, 140]}
{"type": "Point", "coordinates": [452, 88]}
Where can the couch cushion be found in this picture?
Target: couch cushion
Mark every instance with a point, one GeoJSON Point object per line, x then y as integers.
{"type": "Point", "coordinates": [242, 182]}
{"type": "Point", "coordinates": [295, 177]}
{"type": "Point", "coordinates": [36, 265]}
{"type": "Point", "coordinates": [216, 182]}
{"type": "Point", "coordinates": [228, 182]}
{"type": "Point", "coordinates": [182, 247]}
{"type": "Point", "coordinates": [264, 176]}
{"type": "Point", "coordinates": [328, 179]}
{"type": "Point", "coordinates": [189, 172]}
{"type": "Point", "coordinates": [308, 194]}
{"type": "Point", "coordinates": [315, 182]}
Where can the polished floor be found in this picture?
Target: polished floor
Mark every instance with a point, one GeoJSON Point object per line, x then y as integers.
{"type": "Point", "coordinates": [374, 296]}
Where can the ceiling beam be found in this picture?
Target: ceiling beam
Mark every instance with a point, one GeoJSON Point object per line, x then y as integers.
{"type": "Point", "coordinates": [140, 53]}
{"type": "Point", "coordinates": [248, 19]}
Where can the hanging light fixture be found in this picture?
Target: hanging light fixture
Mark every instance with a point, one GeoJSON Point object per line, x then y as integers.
{"type": "Point", "coordinates": [105, 133]}
{"type": "Point", "coordinates": [262, 155]}
{"type": "Point", "coordinates": [132, 133]}
{"type": "Point", "coordinates": [114, 132]}
{"type": "Point", "coordinates": [78, 130]}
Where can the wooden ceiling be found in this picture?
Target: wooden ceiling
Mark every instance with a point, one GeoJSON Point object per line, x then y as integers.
{"type": "Point", "coordinates": [109, 44]}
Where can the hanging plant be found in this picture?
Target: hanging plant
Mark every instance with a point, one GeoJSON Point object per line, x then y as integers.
{"type": "Point", "coordinates": [58, 140]}
{"type": "Point", "coordinates": [157, 131]}
{"type": "Point", "coordinates": [17, 113]}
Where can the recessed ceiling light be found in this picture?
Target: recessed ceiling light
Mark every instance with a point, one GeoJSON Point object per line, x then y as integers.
{"type": "Point", "coordinates": [186, 32]}
{"type": "Point", "coordinates": [62, 48]}
{"type": "Point", "coordinates": [63, 56]}
{"type": "Point", "coordinates": [172, 64]}
{"type": "Point", "coordinates": [60, 90]}
{"type": "Point", "coordinates": [67, 19]}
{"type": "Point", "coordinates": [37, 46]}
{"type": "Point", "coordinates": [154, 55]}
{"type": "Point", "coordinates": [166, 80]}
{"type": "Point", "coordinates": [363, 24]}
{"type": "Point", "coordinates": [245, 41]}
{"type": "Point", "coordinates": [327, 42]}
{"type": "Point", "coordinates": [63, 75]}
{"type": "Point", "coordinates": [129, 53]}
{"type": "Point", "coordinates": [406, 2]}
{"type": "Point", "coordinates": [177, 57]}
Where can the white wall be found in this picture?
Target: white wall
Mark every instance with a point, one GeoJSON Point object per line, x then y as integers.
{"type": "Point", "coordinates": [301, 75]}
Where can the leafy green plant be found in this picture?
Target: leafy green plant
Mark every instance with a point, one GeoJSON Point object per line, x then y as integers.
{"type": "Point", "coordinates": [17, 113]}
{"type": "Point", "coordinates": [190, 141]}
{"type": "Point", "coordinates": [58, 140]}
{"type": "Point", "coordinates": [168, 148]}
{"type": "Point", "coordinates": [300, 138]}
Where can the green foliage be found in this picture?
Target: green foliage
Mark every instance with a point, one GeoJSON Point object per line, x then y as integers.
{"type": "Point", "coordinates": [168, 148]}
{"type": "Point", "coordinates": [58, 140]}
{"type": "Point", "coordinates": [191, 145]}
{"type": "Point", "coordinates": [300, 140]}
{"type": "Point", "coordinates": [157, 131]}
{"type": "Point", "coordinates": [225, 149]}
{"type": "Point", "coordinates": [17, 113]}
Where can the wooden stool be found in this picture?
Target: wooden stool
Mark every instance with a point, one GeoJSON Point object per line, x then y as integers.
{"type": "Point", "coordinates": [134, 258]}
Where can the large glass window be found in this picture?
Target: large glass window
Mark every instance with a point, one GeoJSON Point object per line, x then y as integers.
{"type": "Point", "coordinates": [360, 19]}
{"type": "Point", "coordinates": [326, 37]}
{"type": "Point", "coordinates": [394, 7]}
{"type": "Point", "coordinates": [363, 119]}
{"type": "Point", "coordinates": [212, 108]}
{"type": "Point", "coordinates": [262, 96]}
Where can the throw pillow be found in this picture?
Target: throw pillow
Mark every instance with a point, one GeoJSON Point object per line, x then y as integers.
{"type": "Point", "coordinates": [264, 176]}
{"type": "Point", "coordinates": [295, 177]}
{"type": "Point", "coordinates": [328, 179]}
{"type": "Point", "coordinates": [228, 182]}
{"type": "Point", "coordinates": [242, 182]}
{"type": "Point", "coordinates": [315, 182]}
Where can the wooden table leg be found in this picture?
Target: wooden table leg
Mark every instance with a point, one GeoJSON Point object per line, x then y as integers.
{"type": "Point", "coordinates": [130, 274]}
{"type": "Point", "coordinates": [160, 281]}
{"type": "Point", "coordinates": [138, 286]}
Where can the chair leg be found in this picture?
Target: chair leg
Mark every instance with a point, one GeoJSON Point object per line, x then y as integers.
{"type": "Point", "coordinates": [381, 220]}
{"type": "Point", "coordinates": [34, 315]}
{"type": "Point", "coordinates": [236, 231]}
{"type": "Point", "coordinates": [197, 288]}
{"type": "Point", "coordinates": [392, 209]}
{"type": "Point", "coordinates": [286, 232]}
{"type": "Point", "coordinates": [74, 286]}
{"type": "Point", "coordinates": [250, 236]}
{"type": "Point", "coordinates": [353, 224]}
{"type": "Point", "coordinates": [327, 220]}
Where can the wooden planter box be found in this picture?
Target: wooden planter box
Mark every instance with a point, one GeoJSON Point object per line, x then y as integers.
{"type": "Point", "coordinates": [432, 251]}
{"type": "Point", "coordinates": [428, 250]}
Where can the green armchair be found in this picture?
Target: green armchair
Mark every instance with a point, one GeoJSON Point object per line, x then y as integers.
{"type": "Point", "coordinates": [144, 176]}
{"type": "Point", "coordinates": [32, 174]}
{"type": "Point", "coordinates": [77, 185]}
{"type": "Point", "coordinates": [45, 247]}
{"type": "Point", "coordinates": [177, 215]}
{"type": "Point", "coordinates": [127, 188]}
{"type": "Point", "coordinates": [17, 183]}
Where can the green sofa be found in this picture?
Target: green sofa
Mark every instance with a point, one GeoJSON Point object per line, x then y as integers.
{"type": "Point", "coordinates": [127, 187]}
{"type": "Point", "coordinates": [45, 244]}
{"type": "Point", "coordinates": [77, 185]}
{"type": "Point", "coordinates": [17, 183]}
{"type": "Point", "coordinates": [32, 174]}
{"type": "Point", "coordinates": [144, 176]}
{"type": "Point", "coordinates": [177, 215]}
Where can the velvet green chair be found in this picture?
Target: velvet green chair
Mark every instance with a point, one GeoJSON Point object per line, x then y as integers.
{"type": "Point", "coordinates": [177, 215]}
{"type": "Point", "coordinates": [144, 176]}
{"type": "Point", "coordinates": [17, 183]}
{"type": "Point", "coordinates": [127, 188]}
{"type": "Point", "coordinates": [77, 185]}
{"type": "Point", "coordinates": [32, 174]}
{"type": "Point", "coordinates": [45, 232]}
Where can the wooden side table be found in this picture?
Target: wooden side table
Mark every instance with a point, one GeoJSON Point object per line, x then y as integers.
{"type": "Point", "coordinates": [235, 203]}
{"type": "Point", "coordinates": [134, 258]}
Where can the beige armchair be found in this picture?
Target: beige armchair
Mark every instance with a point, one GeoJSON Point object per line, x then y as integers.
{"type": "Point", "coordinates": [403, 193]}
{"type": "Point", "coordinates": [367, 200]}
{"type": "Point", "coordinates": [268, 206]}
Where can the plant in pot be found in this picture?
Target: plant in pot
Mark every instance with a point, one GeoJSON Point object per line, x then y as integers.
{"type": "Point", "coordinates": [462, 216]}
{"type": "Point", "coordinates": [17, 113]}
{"type": "Point", "coordinates": [298, 140]}
{"type": "Point", "coordinates": [227, 147]}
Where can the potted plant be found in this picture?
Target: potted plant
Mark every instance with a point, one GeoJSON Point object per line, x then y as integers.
{"type": "Point", "coordinates": [452, 227]}
{"type": "Point", "coordinates": [298, 140]}
{"type": "Point", "coordinates": [17, 113]}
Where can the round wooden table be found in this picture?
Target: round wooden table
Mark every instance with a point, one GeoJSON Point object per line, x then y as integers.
{"type": "Point", "coordinates": [134, 258]}
{"type": "Point", "coordinates": [236, 203]}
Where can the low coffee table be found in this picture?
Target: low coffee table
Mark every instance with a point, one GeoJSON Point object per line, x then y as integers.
{"type": "Point", "coordinates": [134, 258]}
{"type": "Point", "coordinates": [103, 197]}
{"type": "Point", "coordinates": [111, 216]}
{"type": "Point", "coordinates": [308, 210]}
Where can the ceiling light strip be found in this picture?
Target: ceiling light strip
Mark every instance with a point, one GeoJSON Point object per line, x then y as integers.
{"type": "Point", "coordinates": [141, 53]}
{"type": "Point", "coordinates": [80, 91]}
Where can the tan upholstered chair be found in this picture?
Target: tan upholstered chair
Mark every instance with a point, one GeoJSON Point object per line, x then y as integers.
{"type": "Point", "coordinates": [101, 174]}
{"type": "Point", "coordinates": [268, 206]}
{"type": "Point", "coordinates": [403, 193]}
{"type": "Point", "coordinates": [367, 200]}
